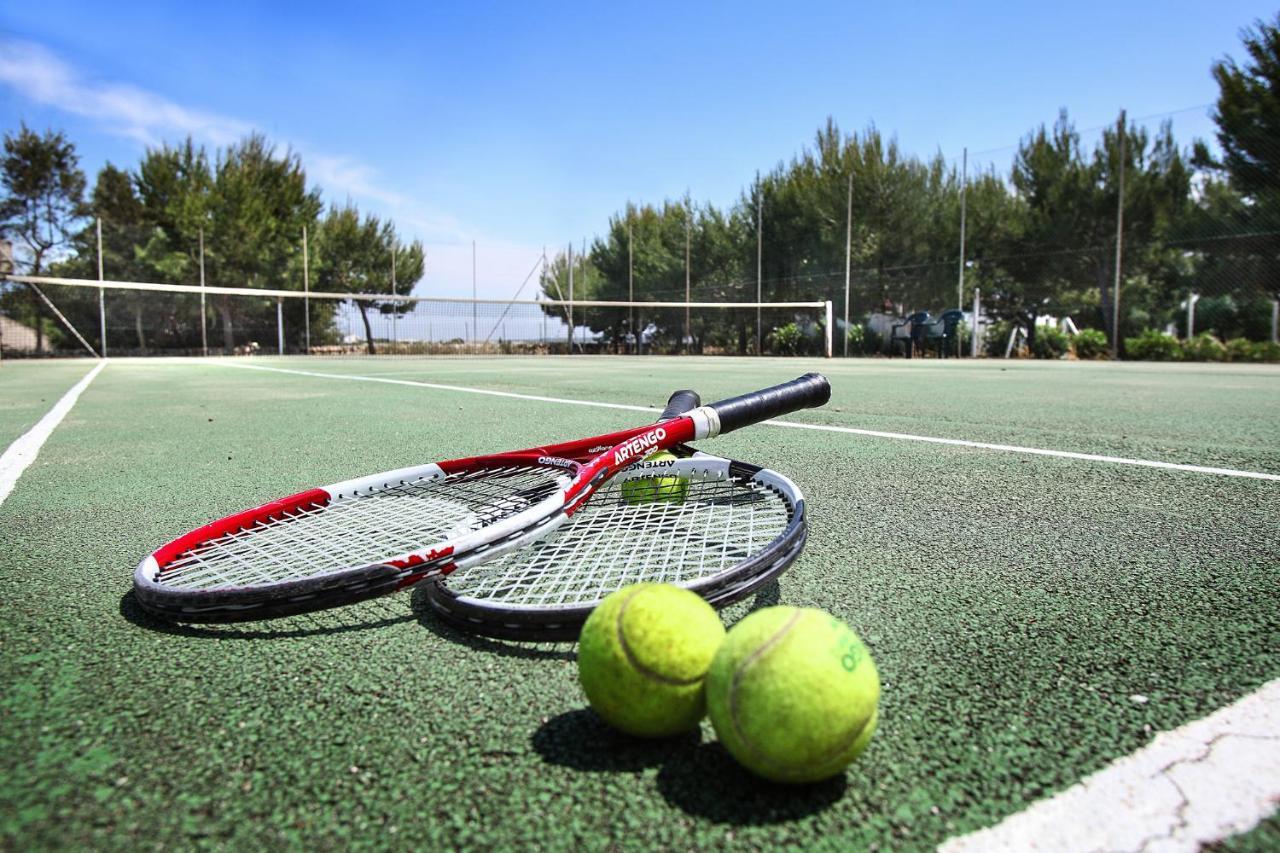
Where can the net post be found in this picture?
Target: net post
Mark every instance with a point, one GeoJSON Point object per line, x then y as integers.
{"type": "Point", "coordinates": [830, 316]}
{"type": "Point", "coordinates": [306, 291]}
{"type": "Point", "coordinates": [102, 298]}
{"type": "Point", "coordinates": [759, 261]}
{"type": "Point", "coordinates": [204, 319]}
{"type": "Point", "coordinates": [280, 325]}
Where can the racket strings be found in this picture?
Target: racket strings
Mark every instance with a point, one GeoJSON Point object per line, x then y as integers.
{"type": "Point", "coordinates": [364, 528]}
{"type": "Point", "coordinates": [613, 542]}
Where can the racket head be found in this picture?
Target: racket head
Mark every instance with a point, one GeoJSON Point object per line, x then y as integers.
{"type": "Point", "coordinates": [544, 592]}
{"type": "Point", "coordinates": [737, 528]}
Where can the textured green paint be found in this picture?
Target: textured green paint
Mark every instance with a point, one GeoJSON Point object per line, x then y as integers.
{"type": "Point", "coordinates": [29, 389]}
{"type": "Point", "coordinates": [1013, 606]}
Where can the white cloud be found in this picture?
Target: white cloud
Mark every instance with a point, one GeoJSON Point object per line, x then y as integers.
{"type": "Point", "coordinates": [125, 110]}
{"type": "Point", "coordinates": [120, 109]}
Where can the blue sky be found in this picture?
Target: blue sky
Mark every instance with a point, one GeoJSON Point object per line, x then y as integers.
{"type": "Point", "coordinates": [517, 126]}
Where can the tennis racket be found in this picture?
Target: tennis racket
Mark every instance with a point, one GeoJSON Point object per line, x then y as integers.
{"type": "Point", "coordinates": [726, 529]}
{"type": "Point", "coordinates": [372, 536]}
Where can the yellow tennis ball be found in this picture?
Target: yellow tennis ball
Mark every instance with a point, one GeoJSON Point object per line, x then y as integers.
{"type": "Point", "coordinates": [651, 489]}
{"type": "Point", "coordinates": [792, 694]}
{"type": "Point", "coordinates": [643, 655]}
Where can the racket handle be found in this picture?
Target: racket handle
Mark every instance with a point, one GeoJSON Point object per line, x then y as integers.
{"type": "Point", "coordinates": [809, 391]}
{"type": "Point", "coordinates": [680, 403]}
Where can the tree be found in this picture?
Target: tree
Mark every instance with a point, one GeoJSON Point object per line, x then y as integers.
{"type": "Point", "coordinates": [354, 255]}
{"type": "Point", "coordinates": [42, 202]}
{"type": "Point", "coordinates": [1244, 207]}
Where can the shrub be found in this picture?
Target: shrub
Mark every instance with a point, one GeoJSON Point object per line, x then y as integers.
{"type": "Point", "coordinates": [1090, 343]}
{"type": "Point", "coordinates": [1050, 342]}
{"type": "Point", "coordinates": [1268, 352]}
{"type": "Point", "coordinates": [855, 335]}
{"type": "Point", "coordinates": [786, 340]}
{"type": "Point", "coordinates": [1203, 347]}
{"type": "Point", "coordinates": [1240, 349]}
{"type": "Point", "coordinates": [1153, 345]}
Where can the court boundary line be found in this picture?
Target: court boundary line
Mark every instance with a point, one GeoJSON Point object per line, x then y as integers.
{"type": "Point", "coordinates": [1200, 783]}
{"type": "Point", "coordinates": [897, 436]}
{"type": "Point", "coordinates": [26, 447]}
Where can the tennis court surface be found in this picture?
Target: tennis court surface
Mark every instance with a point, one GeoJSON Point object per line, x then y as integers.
{"type": "Point", "coordinates": [1036, 618]}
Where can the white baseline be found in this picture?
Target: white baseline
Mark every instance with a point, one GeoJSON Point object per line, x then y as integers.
{"type": "Point", "coordinates": [899, 436]}
{"type": "Point", "coordinates": [26, 448]}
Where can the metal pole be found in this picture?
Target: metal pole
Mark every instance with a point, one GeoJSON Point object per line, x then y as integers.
{"type": "Point", "coordinates": [582, 257]}
{"type": "Point", "coordinates": [474, 317]}
{"type": "Point", "coordinates": [102, 297]}
{"type": "Point", "coordinates": [1115, 290]}
{"type": "Point", "coordinates": [829, 313]}
{"type": "Point", "coordinates": [631, 283]}
{"type": "Point", "coordinates": [848, 260]}
{"type": "Point", "coordinates": [977, 325]}
{"type": "Point", "coordinates": [306, 291]}
{"type": "Point", "coordinates": [759, 259]}
{"type": "Point", "coordinates": [687, 231]}
{"type": "Point", "coordinates": [280, 325]}
{"type": "Point", "coordinates": [570, 297]}
{"type": "Point", "coordinates": [395, 305]}
{"type": "Point", "coordinates": [1192, 299]}
{"type": "Point", "coordinates": [1275, 321]}
{"type": "Point", "coordinates": [964, 182]}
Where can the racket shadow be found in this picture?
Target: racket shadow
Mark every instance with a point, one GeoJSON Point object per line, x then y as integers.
{"type": "Point", "coordinates": [433, 622]}
{"type": "Point", "coordinates": [341, 621]}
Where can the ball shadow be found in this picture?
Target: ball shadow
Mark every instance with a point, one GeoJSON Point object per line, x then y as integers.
{"type": "Point", "coordinates": [581, 740]}
{"type": "Point", "coordinates": [706, 782]}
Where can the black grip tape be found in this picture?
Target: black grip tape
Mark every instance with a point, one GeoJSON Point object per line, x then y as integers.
{"type": "Point", "coordinates": [681, 402]}
{"type": "Point", "coordinates": [807, 392]}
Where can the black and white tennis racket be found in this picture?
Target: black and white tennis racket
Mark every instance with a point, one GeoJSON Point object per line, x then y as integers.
{"type": "Point", "coordinates": [728, 529]}
{"type": "Point", "coordinates": [372, 536]}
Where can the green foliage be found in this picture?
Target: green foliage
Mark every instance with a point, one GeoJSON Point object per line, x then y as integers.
{"type": "Point", "coordinates": [1050, 342]}
{"type": "Point", "coordinates": [1244, 350]}
{"type": "Point", "coordinates": [1153, 345]}
{"type": "Point", "coordinates": [1090, 344]}
{"type": "Point", "coordinates": [787, 340]}
{"type": "Point", "coordinates": [1203, 347]}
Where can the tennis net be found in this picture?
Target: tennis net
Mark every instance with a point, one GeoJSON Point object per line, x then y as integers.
{"type": "Point", "coordinates": [62, 316]}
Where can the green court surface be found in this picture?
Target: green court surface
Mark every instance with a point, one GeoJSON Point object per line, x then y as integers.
{"type": "Point", "coordinates": [1016, 604]}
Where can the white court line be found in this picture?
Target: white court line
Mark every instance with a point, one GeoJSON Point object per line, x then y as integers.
{"type": "Point", "coordinates": [24, 450]}
{"type": "Point", "coordinates": [1200, 783]}
{"type": "Point", "coordinates": [955, 442]}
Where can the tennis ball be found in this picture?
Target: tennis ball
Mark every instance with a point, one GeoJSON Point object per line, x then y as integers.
{"type": "Point", "coordinates": [792, 694]}
{"type": "Point", "coordinates": [643, 655]}
{"type": "Point", "coordinates": [653, 489]}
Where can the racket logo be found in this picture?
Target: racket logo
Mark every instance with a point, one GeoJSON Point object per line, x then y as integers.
{"type": "Point", "coordinates": [638, 445]}
{"type": "Point", "coordinates": [555, 460]}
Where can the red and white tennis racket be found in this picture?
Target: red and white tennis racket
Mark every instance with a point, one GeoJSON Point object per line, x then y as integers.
{"type": "Point", "coordinates": [369, 537]}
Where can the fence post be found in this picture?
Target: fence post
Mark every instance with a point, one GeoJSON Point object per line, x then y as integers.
{"type": "Point", "coordinates": [204, 319]}
{"type": "Point", "coordinates": [1192, 299]}
{"type": "Point", "coordinates": [1115, 291]}
{"type": "Point", "coordinates": [306, 291]}
{"type": "Point", "coordinates": [977, 322]}
{"type": "Point", "coordinates": [1275, 321]}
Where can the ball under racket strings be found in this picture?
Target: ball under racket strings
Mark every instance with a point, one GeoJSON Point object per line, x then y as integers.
{"type": "Point", "coordinates": [372, 536]}
{"type": "Point", "coordinates": [718, 527]}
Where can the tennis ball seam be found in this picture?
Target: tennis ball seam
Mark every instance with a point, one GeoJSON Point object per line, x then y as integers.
{"type": "Point", "coordinates": [635, 662]}
{"type": "Point", "coordinates": [738, 672]}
